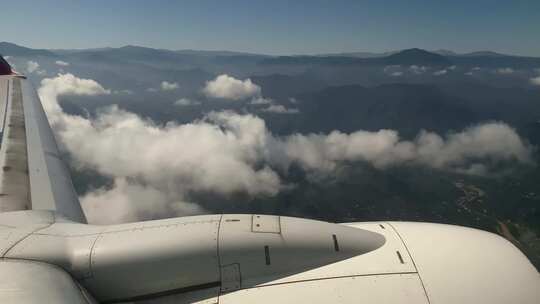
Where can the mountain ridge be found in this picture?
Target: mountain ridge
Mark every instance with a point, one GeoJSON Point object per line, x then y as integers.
{"type": "Point", "coordinates": [353, 54]}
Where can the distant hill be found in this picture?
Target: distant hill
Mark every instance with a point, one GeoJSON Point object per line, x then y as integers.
{"type": "Point", "coordinates": [405, 57]}
{"type": "Point", "coordinates": [408, 108]}
{"type": "Point", "coordinates": [416, 56]}
{"type": "Point", "coordinates": [413, 57]}
{"type": "Point", "coordinates": [282, 86]}
{"type": "Point", "coordinates": [11, 49]}
{"type": "Point", "coordinates": [445, 52]}
{"type": "Point", "coordinates": [188, 57]}
{"type": "Point", "coordinates": [358, 54]}
{"type": "Point", "coordinates": [217, 53]}
{"type": "Point", "coordinates": [484, 54]}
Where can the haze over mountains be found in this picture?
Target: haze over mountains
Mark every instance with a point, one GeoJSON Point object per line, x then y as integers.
{"type": "Point", "coordinates": [404, 135]}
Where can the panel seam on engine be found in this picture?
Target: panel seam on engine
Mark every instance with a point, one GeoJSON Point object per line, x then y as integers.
{"type": "Point", "coordinates": [412, 260]}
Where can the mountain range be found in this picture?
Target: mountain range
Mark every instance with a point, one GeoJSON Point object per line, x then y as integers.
{"type": "Point", "coordinates": [413, 56]}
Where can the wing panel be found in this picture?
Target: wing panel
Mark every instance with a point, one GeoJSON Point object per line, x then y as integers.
{"type": "Point", "coordinates": [14, 182]}
{"type": "Point", "coordinates": [464, 265]}
{"type": "Point", "coordinates": [382, 289]}
{"type": "Point", "coordinates": [384, 260]}
{"type": "Point", "coordinates": [51, 187]}
{"type": "Point", "coordinates": [25, 282]}
{"type": "Point", "coordinates": [32, 173]}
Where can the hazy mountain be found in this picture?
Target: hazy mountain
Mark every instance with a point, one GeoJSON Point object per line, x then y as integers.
{"type": "Point", "coordinates": [405, 57]}
{"type": "Point", "coordinates": [484, 54]}
{"type": "Point", "coordinates": [416, 56]}
{"type": "Point", "coordinates": [445, 52]}
{"type": "Point", "coordinates": [217, 53]}
{"type": "Point", "coordinates": [11, 49]}
{"type": "Point", "coordinates": [412, 57]}
{"type": "Point", "coordinates": [258, 63]}
{"type": "Point", "coordinates": [282, 86]}
{"type": "Point", "coordinates": [358, 54]}
{"type": "Point", "coordinates": [408, 108]}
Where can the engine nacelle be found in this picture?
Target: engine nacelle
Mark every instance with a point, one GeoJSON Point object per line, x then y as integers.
{"type": "Point", "coordinates": [228, 252]}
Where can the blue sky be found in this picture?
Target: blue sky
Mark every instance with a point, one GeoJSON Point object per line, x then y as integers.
{"type": "Point", "coordinates": [276, 27]}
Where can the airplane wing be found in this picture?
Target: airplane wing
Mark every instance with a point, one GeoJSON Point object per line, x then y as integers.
{"type": "Point", "coordinates": [30, 282]}
{"type": "Point", "coordinates": [49, 254]}
{"type": "Point", "coordinates": [33, 175]}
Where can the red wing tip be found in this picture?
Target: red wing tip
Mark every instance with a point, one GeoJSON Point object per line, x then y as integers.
{"type": "Point", "coordinates": [5, 68]}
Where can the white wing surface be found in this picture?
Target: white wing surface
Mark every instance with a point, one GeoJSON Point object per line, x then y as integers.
{"type": "Point", "coordinates": [33, 175]}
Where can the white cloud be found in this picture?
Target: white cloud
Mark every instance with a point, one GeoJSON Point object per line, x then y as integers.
{"type": "Point", "coordinates": [65, 84]}
{"type": "Point", "coordinates": [127, 202]}
{"type": "Point", "coordinates": [418, 69]}
{"type": "Point", "coordinates": [123, 92]}
{"type": "Point", "coordinates": [197, 156]}
{"type": "Point", "coordinates": [439, 73]}
{"type": "Point", "coordinates": [390, 68]}
{"type": "Point", "coordinates": [492, 141]}
{"type": "Point", "coordinates": [452, 67]}
{"type": "Point", "coordinates": [61, 63]}
{"type": "Point", "coordinates": [393, 70]}
{"type": "Point", "coordinates": [227, 87]}
{"type": "Point", "coordinates": [156, 168]}
{"type": "Point", "coordinates": [151, 90]}
{"type": "Point", "coordinates": [535, 81]}
{"type": "Point", "coordinates": [504, 71]}
{"type": "Point", "coordinates": [32, 66]}
{"type": "Point", "coordinates": [293, 100]}
{"type": "Point", "coordinates": [185, 102]}
{"type": "Point", "coordinates": [279, 109]}
{"type": "Point", "coordinates": [261, 101]}
{"type": "Point", "coordinates": [168, 86]}
{"type": "Point", "coordinates": [472, 71]}
{"type": "Point", "coordinates": [219, 155]}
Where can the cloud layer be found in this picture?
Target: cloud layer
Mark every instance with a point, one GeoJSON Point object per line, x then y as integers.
{"type": "Point", "coordinates": [458, 152]}
{"type": "Point", "coordinates": [156, 168]}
